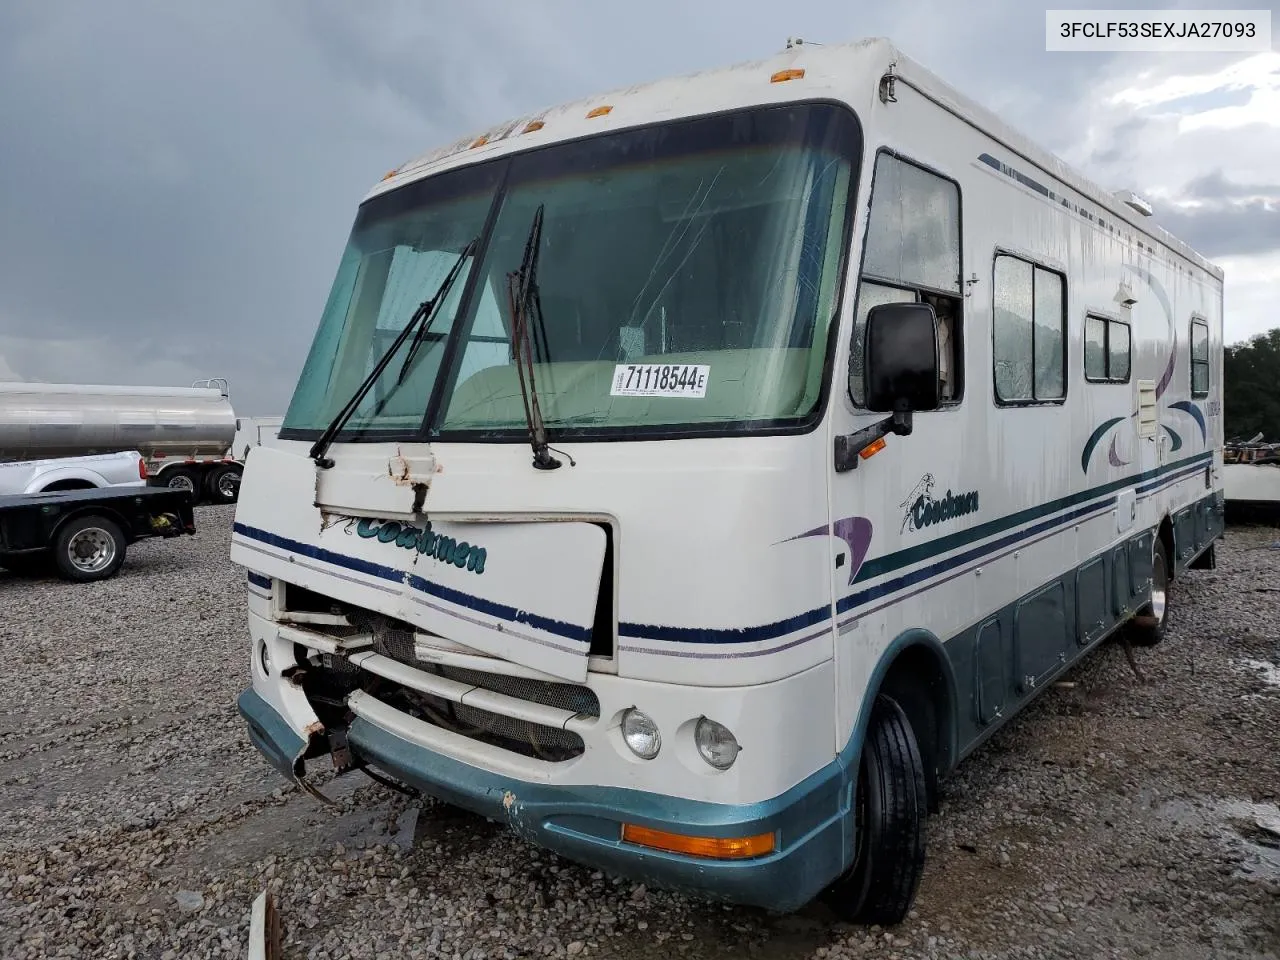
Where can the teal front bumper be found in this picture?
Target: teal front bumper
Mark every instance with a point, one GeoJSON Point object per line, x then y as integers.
{"type": "Point", "coordinates": [811, 821]}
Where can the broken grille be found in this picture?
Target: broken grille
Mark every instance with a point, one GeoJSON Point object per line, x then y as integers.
{"type": "Point", "coordinates": [395, 640]}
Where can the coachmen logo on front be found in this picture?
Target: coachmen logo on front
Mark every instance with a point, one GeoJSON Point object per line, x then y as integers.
{"type": "Point", "coordinates": [425, 541]}
{"type": "Point", "coordinates": [922, 510]}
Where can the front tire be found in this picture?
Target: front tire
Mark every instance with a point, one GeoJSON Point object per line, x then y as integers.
{"type": "Point", "coordinates": [88, 549]}
{"type": "Point", "coordinates": [890, 810]}
{"type": "Point", "coordinates": [1147, 628]}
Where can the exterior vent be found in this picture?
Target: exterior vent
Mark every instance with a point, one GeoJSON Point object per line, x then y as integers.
{"type": "Point", "coordinates": [1147, 419]}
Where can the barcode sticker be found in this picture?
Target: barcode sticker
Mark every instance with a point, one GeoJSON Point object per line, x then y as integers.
{"type": "Point", "coordinates": [660, 380]}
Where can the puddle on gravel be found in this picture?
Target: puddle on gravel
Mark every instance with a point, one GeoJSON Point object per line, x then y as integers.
{"type": "Point", "coordinates": [1252, 828]}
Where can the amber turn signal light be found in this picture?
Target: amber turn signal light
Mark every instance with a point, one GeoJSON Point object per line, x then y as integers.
{"type": "Point", "coordinates": [872, 448]}
{"type": "Point", "coordinates": [718, 848]}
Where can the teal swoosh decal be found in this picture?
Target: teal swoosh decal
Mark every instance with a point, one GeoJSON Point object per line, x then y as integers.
{"type": "Point", "coordinates": [1186, 406]}
{"type": "Point", "coordinates": [1177, 440]}
{"type": "Point", "coordinates": [1094, 439]}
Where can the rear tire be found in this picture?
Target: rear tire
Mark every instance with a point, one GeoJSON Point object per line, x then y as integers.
{"type": "Point", "coordinates": [223, 484]}
{"type": "Point", "coordinates": [89, 548]}
{"type": "Point", "coordinates": [890, 810]}
{"type": "Point", "coordinates": [1147, 628]}
{"type": "Point", "coordinates": [183, 478]}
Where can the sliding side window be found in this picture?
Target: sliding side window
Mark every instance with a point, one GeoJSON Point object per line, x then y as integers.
{"type": "Point", "coordinates": [1107, 350]}
{"type": "Point", "coordinates": [1199, 357]}
{"type": "Point", "coordinates": [1029, 352]}
{"type": "Point", "coordinates": [912, 255]}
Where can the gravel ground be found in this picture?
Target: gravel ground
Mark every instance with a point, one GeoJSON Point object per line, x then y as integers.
{"type": "Point", "coordinates": [1111, 819]}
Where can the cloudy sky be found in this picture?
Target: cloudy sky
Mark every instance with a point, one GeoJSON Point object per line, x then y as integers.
{"type": "Point", "coordinates": [177, 179]}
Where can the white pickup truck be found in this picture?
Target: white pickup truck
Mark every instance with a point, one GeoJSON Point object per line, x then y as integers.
{"type": "Point", "coordinates": [115, 470]}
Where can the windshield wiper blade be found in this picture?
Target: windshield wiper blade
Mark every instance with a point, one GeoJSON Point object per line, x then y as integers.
{"type": "Point", "coordinates": [445, 286]}
{"type": "Point", "coordinates": [421, 322]}
{"type": "Point", "coordinates": [522, 286]}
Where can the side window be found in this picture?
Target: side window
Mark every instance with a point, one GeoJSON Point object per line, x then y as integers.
{"type": "Point", "coordinates": [912, 255]}
{"type": "Point", "coordinates": [1107, 350]}
{"type": "Point", "coordinates": [1199, 357]}
{"type": "Point", "coordinates": [1028, 335]}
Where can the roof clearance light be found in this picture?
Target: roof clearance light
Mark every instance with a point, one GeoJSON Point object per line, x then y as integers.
{"type": "Point", "coordinates": [533, 125]}
{"type": "Point", "coordinates": [599, 112]}
{"type": "Point", "coordinates": [795, 73]}
{"type": "Point", "coordinates": [478, 142]}
{"type": "Point", "coordinates": [390, 173]}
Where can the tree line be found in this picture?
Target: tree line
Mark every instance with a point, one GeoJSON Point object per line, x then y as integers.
{"type": "Point", "coordinates": [1251, 388]}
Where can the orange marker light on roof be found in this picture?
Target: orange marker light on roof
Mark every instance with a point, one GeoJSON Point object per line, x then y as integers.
{"type": "Point", "coordinates": [598, 112]}
{"type": "Point", "coordinates": [533, 125]}
{"type": "Point", "coordinates": [389, 174]}
{"type": "Point", "coordinates": [478, 142]}
{"type": "Point", "coordinates": [795, 73]}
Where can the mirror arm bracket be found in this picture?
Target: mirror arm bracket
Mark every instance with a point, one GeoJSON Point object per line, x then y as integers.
{"type": "Point", "coordinates": [849, 445]}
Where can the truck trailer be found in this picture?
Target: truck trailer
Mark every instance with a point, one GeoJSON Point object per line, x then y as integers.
{"type": "Point", "coordinates": [184, 434]}
{"type": "Point", "coordinates": [693, 475]}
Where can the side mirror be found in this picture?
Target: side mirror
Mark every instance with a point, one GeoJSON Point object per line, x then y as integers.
{"type": "Point", "coordinates": [901, 361]}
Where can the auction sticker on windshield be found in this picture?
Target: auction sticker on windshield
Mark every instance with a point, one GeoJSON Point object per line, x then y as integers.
{"type": "Point", "coordinates": [660, 380]}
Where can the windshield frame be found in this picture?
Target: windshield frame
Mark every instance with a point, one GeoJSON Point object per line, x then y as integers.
{"type": "Point", "coordinates": [499, 171]}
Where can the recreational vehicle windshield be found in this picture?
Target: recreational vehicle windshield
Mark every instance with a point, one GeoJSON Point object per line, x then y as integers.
{"type": "Point", "coordinates": [868, 418]}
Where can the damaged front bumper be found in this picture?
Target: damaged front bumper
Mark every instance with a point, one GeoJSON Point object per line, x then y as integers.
{"type": "Point", "coordinates": [810, 822]}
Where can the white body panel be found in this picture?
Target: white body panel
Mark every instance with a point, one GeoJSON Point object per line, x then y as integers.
{"type": "Point", "coordinates": [1252, 483]}
{"type": "Point", "coordinates": [103, 470]}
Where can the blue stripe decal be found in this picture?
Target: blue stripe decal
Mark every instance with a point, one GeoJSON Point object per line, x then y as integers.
{"type": "Point", "coordinates": [258, 580]}
{"type": "Point", "coordinates": [926, 573]}
{"type": "Point", "coordinates": [499, 611]}
{"type": "Point", "coordinates": [1173, 478]}
{"type": "Point", "coordinates": [768, 631]}
{"type": "Point", "coordinates": [706, 635]}
{"type": "Point", "coordinates": [780, 628]}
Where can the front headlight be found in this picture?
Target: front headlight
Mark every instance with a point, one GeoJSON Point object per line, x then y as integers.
{"type": "Point", "coordinates": [717, 745]}
{"type": "Point", "coordinates": [641, 734]}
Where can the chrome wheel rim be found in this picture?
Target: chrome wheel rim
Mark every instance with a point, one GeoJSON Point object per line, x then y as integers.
{"type": "Point", "coordinates": [1159, 587]}
{"type": "Point", "coordinates": [227, 485]}
{"type": "Point", "coordinates": [91, 550]}
{"type": "Point", "coordinates": [182, 482]}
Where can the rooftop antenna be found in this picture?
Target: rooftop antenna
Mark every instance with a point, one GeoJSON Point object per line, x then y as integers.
{"type": "Point", "coordinates": [793, 42]}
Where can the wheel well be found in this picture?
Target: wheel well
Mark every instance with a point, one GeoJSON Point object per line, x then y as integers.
{"type": "Point", "coordinates": [68, 485]}
{"type": "Point", "coordinates": [1165, 533]}
{"type": "Point", "coordinates": [97, 510]}
{"type": "Point", "coordinates": [918, 681]}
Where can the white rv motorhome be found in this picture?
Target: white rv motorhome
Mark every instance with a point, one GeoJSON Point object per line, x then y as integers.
{"type": "Point", "coordinates": [692, 476]}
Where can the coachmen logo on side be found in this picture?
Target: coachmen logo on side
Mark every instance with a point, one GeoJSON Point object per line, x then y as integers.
{"type": "Point", "coordinates": [922, 510]}
{"type": "Point", "coordinates": [425, 541]}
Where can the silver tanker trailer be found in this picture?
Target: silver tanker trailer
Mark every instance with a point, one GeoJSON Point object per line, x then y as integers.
{"type": "Point", "coordinates": [184, 434]}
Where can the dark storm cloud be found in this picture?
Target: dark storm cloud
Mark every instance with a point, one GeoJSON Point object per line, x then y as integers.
{"type": "Point", "coordinates": [1229, 218]}
{"type": "Point", "coordinates": [1215, 187]}
{"type": "Point", "coordinates": [1246, 228]}
{"type": "Point", "coordinates": [177, 180]}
